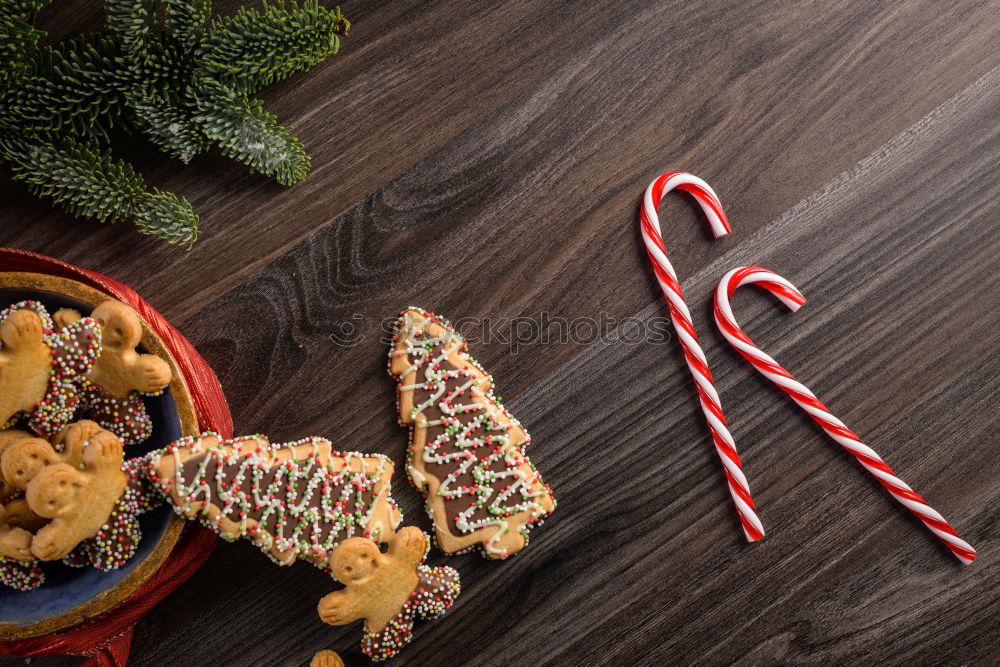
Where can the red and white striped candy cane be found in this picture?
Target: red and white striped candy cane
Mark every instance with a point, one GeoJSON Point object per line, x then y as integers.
{"type": "Point", "coordinates": [835, 428]}
{"type": "Point", "coordinates": [681, 317]}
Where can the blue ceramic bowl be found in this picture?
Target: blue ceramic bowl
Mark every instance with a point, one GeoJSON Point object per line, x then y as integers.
{"type": "Point", "coordinates": [70, 595]}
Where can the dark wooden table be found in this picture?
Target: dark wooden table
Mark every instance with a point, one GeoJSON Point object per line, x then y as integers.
{"type": "Point", "coordinates": [486, 160]}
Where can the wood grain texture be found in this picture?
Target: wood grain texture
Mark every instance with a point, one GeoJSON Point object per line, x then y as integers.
{"type": "Point", "coordinates": [487, 161]}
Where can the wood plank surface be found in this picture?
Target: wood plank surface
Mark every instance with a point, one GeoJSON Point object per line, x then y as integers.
{"type": "Point", "coordinates": [486, 161]}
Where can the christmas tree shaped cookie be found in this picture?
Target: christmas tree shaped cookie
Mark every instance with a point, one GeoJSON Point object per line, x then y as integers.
{"type": "Point", "coordinates": [466, 451]}
{"type": "Point", "coordinates": [298, 500]}
{"type": "Point", "coordinates": [304, 500]}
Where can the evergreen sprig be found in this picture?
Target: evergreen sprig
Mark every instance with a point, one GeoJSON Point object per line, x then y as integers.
{"type": "Point", "coordinates": [184, 82]}
{"type": "Point", "coordinates": [186, 21]}
{"type": "Point", "coordinates": [248, 133]}
{"type": "Point", "coordinates": [153, 89]}
{"type": "Point", "coordinates": [18, 38]}
{"type": "Point", "coordinates": [72, 87]}
{"type": "Point", "coordinates": [88, 181]}
{"type": "Point", "coordinates": [252, 49]}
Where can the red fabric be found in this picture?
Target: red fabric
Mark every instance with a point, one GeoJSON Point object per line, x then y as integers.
{"type": "Point", "coordinates": [106, 640]}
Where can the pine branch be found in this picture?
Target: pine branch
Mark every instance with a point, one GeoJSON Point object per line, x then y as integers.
{"type": "Point", "coordinates": [18, 38]}
{"type": "Point", "coordinates": [81, 176]}
{"type": "Point", "coordinates": [167, 216]}
{"type": "Point", "coordinates": [165, 124]}
{"type": "Point", "coordinates": [153, 89]}
{"type": "Point", "coordinates": [89, 182]}
{"type": "Point", "coordinates": [252, 49]}
{"type": "Point", "coordinates": [182, 87]}
{"type": "Point", "coordinates": [186, 21]}
{"type": "Point", "coordinates": [246, 132]}
{"type": "Point", "coordinates": [132, 22]}
{"type": "Point", "coordinates": [71, 87]}
{"type": "Point", "coordinates": [21, 8]}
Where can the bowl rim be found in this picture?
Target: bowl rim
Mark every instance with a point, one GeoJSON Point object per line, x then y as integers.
{"type": "Point", "coordinates": [189, 426]}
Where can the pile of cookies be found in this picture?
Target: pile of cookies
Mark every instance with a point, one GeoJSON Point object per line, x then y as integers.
{"type": "Point", "coordinates": [69, 493]}
{"type": "Point", "coordinates": [56, 368]}
{"type": "Point", "coordinates": [66, 491]}
{"type": "Point", "coordinates": [303, 500]}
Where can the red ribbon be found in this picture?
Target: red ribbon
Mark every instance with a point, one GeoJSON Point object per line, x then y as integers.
{"type": "Point", "coordinates": [106, 640]}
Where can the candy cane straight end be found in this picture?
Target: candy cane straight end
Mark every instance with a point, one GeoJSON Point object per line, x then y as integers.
{"type": "Point", "coordinates": [652, 237]}
{"type": "Point", "coordinates": [753, 535]}
{"type": "Point", "coordinates": [819, 413]}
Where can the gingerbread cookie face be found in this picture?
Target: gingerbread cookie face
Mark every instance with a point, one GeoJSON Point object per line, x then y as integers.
{"type": "Point", "coordinates": [388, 591]}
{"type": "Point", "coordinates": [76, 500]}
{"type": "Point", "coordinates": [8, 438]}
{"type": "Point", "coordinates": [23, 456]}
{"type": "Point", "coordinates": [23, 460]}
{"type": "Point", "coordinates": [466, 450]}
{"type": "Point", "coordinates": [298, 500]}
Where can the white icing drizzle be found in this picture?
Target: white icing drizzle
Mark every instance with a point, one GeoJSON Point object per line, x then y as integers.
{"type": "Point", "coordinates": [271, 490]}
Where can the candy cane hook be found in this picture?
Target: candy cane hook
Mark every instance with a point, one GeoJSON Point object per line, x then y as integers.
{"type": "Point", "coordinates": [649, 224]}
{"type": "Point", "coordinates": [835, 428]}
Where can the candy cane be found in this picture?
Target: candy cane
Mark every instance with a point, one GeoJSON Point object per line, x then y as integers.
{"type": "Point", "coordinates": [652, 236]}
{"type": "Point", "coordinates": [835, 428]}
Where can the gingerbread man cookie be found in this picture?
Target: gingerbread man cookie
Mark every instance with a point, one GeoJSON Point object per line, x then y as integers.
{"type": "Point", "coordinates": [298, 500]}
{"type": "Point", "coordinates": [121, 375]}
{"type": "Point", "coordinates": [466, 450]}
{"type": "Point", "coordinates": [24, 457]}
{"type": "Point", "coordinates": [76, 499]}
{"type": "Point", "coordinates": [41, 372]}
{"type": "Point", "coordinates": [118, 538]}
{"type": "Point", "coordinates": [388, 591]}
